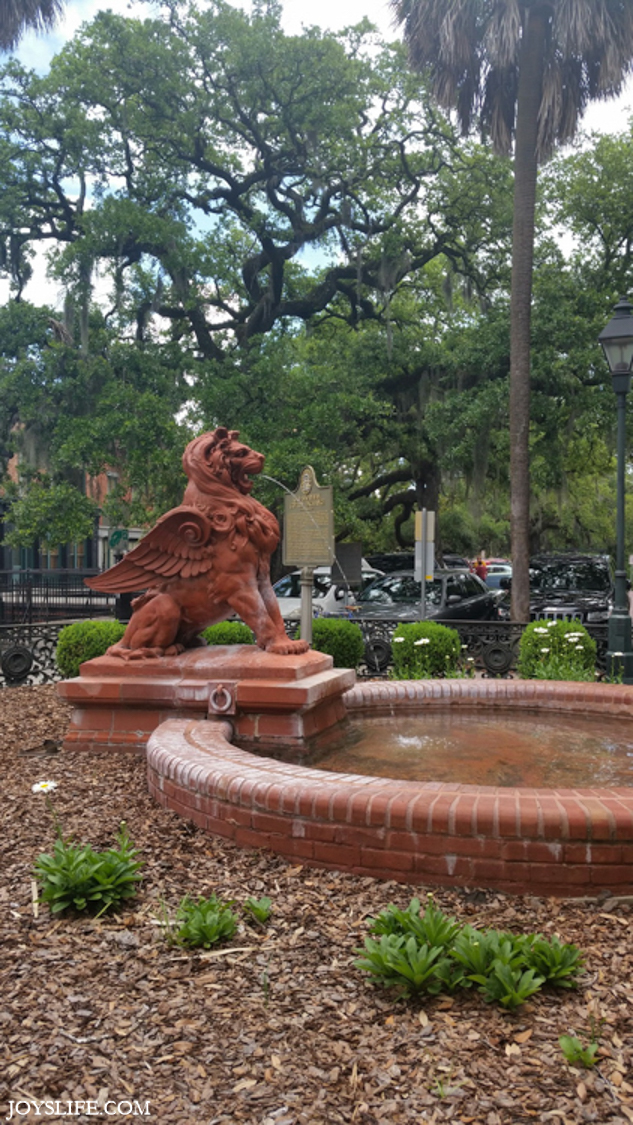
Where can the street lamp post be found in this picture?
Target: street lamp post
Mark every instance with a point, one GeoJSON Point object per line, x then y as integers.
{"type": "Point", "coordinates": [617, 343]}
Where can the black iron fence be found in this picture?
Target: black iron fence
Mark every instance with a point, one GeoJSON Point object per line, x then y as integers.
{"type": "Point", "coordinates": [31, 596]}
{"type": "Point", "coordinates": [27, 651]}
{"type": "Point", "coordinates": [492, 646]}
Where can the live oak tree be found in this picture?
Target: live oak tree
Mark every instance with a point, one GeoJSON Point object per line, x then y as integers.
{"type": "Point", "coordinates": [224, 181]}
{"type": "Point", "coordinates": [66, 414]}
{"type": "Point", "coordinates": [527, 69]}
{"type": "Point", "coordinates": [227, 177]}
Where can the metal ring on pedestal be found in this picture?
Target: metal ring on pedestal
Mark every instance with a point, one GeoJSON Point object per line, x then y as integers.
{"type": "Point", "coordinates": [220, 700]}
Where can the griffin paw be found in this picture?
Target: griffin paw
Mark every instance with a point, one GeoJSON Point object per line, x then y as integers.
{"type": "Point", "coordinates": [143, 653]}
{"type": "Point", "coordinates": [286, 648]}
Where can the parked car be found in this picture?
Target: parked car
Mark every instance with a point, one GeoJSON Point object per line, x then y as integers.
{"type": "Point", "coordinates": [568, 587]}
{"type": "Point", "coordinates": [450, 595]}
{"type": "Point", "coordinates": [327, 596]}
{"type": "Point", "coordinates": [390, 561]}
{"type": "Point", "coordinates": [495, 572]}
{"type": "Point", "coordinates": [454, 562]}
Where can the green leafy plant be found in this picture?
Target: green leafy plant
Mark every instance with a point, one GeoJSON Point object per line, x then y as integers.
{"type": "Point", "coordinates": [397, 960]}
{"type": "Point", "coordinates": [433, 926]}
{"type": "Point", "coordinates": [432, 952]}
{"type": "Point", "coordinates": [203, 922]}
{"type": "Point", "coordinates": [557, 963]}
{"type": "Point", "coordinates": [557, 650]}
{"type": "Point", "coordinates": [340, 639]}
{"type": "Point", "coordinates": [508, 985]}
{"type": "Point", "coordinates": [423, 648]}
{"type": "Point", "coordinates": [259, 909]}
{"type": "Point", "coordinates": [228, 633]}
{"type": "Point", "coordinates": [474, 950]}
{"type": "Point", "coordinates": [575, 1052]}
{"type": "Point", "coordinates": [78, 877]}
{"type": "Point", "coordinates": [85, 640]}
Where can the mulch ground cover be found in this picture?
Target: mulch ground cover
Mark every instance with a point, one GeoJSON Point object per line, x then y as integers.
{"type": "Point", "coordinates": [276, 1027]}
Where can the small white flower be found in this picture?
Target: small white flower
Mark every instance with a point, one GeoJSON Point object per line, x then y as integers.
{"type": "Point", "coordinates": [539, 630]}
{"type": "Point", "coordinates": [43, 786]}
{"type": "Point", "coordinates": [579, 648]}
{"type": "Point", "coordinates": [551, 624]}
{"type": "Point", "coordinates": [424, 641]}
{"type": "Point", "coordinates": [544, 650]}
{"type": "Point", "coordinates": [398, 640]}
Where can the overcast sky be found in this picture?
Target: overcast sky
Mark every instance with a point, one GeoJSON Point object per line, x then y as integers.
{"type": "Point", "coordinates": [37, 50]}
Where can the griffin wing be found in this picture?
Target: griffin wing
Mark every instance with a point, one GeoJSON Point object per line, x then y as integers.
{"type": "Point", "coordinates": [176, 547]}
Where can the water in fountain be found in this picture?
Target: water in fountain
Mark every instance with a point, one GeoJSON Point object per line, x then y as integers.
{"type": "Point", "coordinates": [501, 748]}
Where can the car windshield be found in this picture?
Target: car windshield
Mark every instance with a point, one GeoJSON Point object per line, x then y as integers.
{"type": "Point", "coordinates": [395, 588]}
{"type": "Point", "coordinates": [290, 586]}
{"type": "Point", "coordinates": [583, 575]}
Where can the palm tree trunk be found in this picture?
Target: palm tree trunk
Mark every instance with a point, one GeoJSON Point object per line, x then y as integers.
{"type": "Point", "coordinates": [525, 174]}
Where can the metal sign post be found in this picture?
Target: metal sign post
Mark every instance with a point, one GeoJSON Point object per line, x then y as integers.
{"type": "Point", "coordinates": [424, 553]}
{"type": "Point", "coordinates": [308, 536]}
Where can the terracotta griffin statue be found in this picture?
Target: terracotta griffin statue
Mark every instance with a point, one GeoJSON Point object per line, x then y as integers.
{"type": "Point", "coordinates": [204, 560]}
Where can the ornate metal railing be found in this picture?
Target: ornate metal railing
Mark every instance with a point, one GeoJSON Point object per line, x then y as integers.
{"type": "Point", "coordinates": [30, 596]}
{"type": "Point", "coordinates": [27, 652]}
{"type": "Point", "coordinates": [493, 646]}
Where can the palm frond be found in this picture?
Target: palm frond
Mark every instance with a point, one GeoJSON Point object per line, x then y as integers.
{"type": "Point", "coordinates": [471, 51]}
{"type": "Point", "coordinates": [17, 16]}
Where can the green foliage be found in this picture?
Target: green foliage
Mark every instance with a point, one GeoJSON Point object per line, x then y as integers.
{"type": "Point", "coordinates": [203, 922]}
{"type": "Point", "coordinates": [302, 248]}
{"type": "Point", "coordinates": [575, 1052]}
{"type": "Point", "coordinates": [76, 876]}
{"type": "Point", "coordinates": [48, 511]}
{"type": "Point", "coordinates": [558, 964]}
{"type": "Point", "coordinates": [509, 986]}
{"type": "Point", "coordinates": [399, 960]}
{"type": "Point", "coordinates": [433, 926]}
{"type": "Point", "coordinates": [557, 650]}
{"type": "Point", "coordinates": [339, 638]}
{"type": "Point", "coordinates": [424, 648]}
{"type": "Point", "coordinates": [228, 633]}
{"type": "Point", "coordinates": [84, 640]}
{"type": "Point", "coordinates": [258, 909]}
{"type": "Point", "coordinates": [432, 953]}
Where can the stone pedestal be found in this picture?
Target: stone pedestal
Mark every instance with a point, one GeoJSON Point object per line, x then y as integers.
{"type": "Point", "coordinates": [273, 702]}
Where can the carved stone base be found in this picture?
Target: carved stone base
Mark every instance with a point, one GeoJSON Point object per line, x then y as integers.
{"type": "Point", "coordinates": [273, 702]}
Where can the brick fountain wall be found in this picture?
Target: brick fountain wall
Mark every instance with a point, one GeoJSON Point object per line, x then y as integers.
{"type": "Point", "coordinates": [567, 842]}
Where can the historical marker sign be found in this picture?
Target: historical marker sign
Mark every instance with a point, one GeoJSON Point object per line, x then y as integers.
{"type": "Point", "coordinates": [309, 523]}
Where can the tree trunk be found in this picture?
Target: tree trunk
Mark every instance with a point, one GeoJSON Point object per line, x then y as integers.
{"type": "Point", "coordinates": [525, 174]}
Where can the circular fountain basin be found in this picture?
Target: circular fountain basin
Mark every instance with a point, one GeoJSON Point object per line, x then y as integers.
{"type": "Point", "coordinates": [505, 747]}
{"type": "Point", "coordinates": [553, 839]}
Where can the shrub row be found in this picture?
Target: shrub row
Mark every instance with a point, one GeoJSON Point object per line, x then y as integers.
{"type": "Point", "coordinates": [85, 640]}
{"type": "Point", "coordinates": [549, 650]}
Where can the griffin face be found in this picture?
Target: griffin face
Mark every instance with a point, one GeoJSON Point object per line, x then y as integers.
{"type": "Point", "coordinates": [219, 456]}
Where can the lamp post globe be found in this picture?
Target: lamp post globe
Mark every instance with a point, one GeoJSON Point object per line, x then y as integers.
{"type": "Point", "coordinates": [616, 340]}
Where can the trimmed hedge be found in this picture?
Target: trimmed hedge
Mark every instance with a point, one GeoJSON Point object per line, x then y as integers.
{"type": "Point", "coordinates": [84, 640]}
{"type": "Point", "coordinates": [228, 633]}
{"type": "Point", "coordinates": [424, 648]}
{"type": "Point", "coordinates": [339, 638]}
{"type": "Point", "coordinates": [557, 650]}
